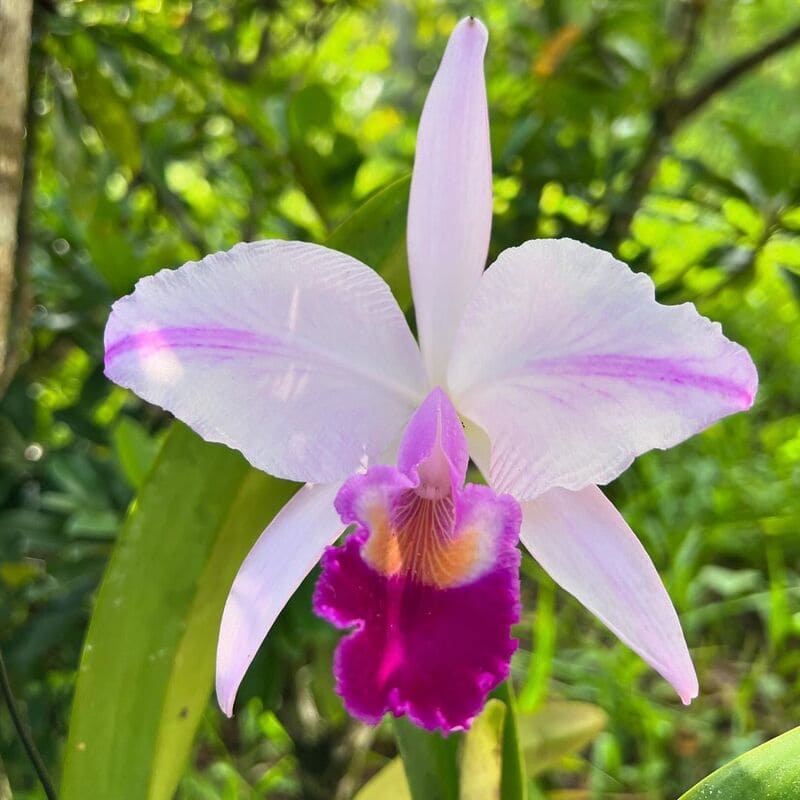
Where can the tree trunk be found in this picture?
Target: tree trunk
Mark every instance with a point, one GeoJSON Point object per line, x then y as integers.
{"type": "Point", "coordinates": [15, 34]}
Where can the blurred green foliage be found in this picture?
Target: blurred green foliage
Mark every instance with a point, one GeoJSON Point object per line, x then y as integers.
{"type": "Point", "coordinates": [165, 129]}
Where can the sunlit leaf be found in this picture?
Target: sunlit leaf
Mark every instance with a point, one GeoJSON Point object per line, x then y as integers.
{"type": "Point", "coordinates": [482, 755]}
{"type": "Point", "coordinates": [383, 246]}
{"type": "Point", "coordinates": [147, 664]}
{"type": "Point", "coordinates": [769, 772]}
{"type": "Point", "coordinates": [558, 729]}
{"type": "Point", "coordinates": [390, 782]}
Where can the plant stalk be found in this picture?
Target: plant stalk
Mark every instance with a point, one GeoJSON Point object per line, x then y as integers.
{"type": "Point", "coordinates": [23, 733]}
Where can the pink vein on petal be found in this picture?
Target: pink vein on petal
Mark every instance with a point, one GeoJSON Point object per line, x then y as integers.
{"type": "Point", "coordinates": [190, 338]}
{"type": "Point", "coordinates": [665, 371]}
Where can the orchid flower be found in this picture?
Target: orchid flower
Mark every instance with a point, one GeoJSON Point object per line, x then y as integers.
{"type": "Point", "coordinates": [552, 370]}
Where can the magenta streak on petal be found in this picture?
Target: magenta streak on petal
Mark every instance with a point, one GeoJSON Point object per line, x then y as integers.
{"type": "Point", "coordinates": [189, 338]}
{"type": "Point", "coordinates": [665, 371]}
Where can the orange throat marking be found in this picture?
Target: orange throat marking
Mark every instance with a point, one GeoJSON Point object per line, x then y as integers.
{"type": "Point", "coordinates": [417, 540]}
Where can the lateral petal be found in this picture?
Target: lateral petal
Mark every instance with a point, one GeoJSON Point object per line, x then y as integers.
{"type": "Point", "coordinates": [567, 362]}
{"type": "Point", "coordinates": [589, 550]}
{"type": "Point", "coordinates": [295, 354]}
{"type": "Point", "coordinates": [280, 559]}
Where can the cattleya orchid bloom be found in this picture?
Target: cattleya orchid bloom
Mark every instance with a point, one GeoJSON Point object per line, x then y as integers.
{"type": "Point", "coordinates": [552, 370]}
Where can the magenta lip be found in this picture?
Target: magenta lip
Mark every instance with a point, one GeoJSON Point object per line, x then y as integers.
{"type": "Point", "coordinates": [417, 647]}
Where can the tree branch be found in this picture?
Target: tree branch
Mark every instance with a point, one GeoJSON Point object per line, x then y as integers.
{"type": "Point", "coordinates": [672, 112]}
{"type": "Point", "coordinates": [15, 35]}
{"type": "Point", "coordinates": [22, 732]}
{"type": "Point", "coordinates": [731, 73]}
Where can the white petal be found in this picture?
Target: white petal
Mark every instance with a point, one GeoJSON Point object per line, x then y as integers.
{"type": "Point", "coordinates": [295, 354]}
{"type": "Point", "coordinates": [279, 561]}
{"type": "Point", "coordinates": [450, 205]}
{"type": "Point", "coordinates": [573, 369]}
{"type": "Point", "coordinates": [589, 550]}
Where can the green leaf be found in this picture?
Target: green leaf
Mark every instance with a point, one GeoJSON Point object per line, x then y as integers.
{"type": "Point", "coordinates": [136, 449]}
{"type": "Point", "coordinates": [766, 169]}
{"type": "Point", "coordinates": [744, 217]}
{"type": "Point", "coordinates": [490, 764]}
{"type": "Point", "coordinates": [15, 574]}
{"type": "Point", "coordinates": [148, 660]}
{"type": "Point", "coordinates": [482, 755]}
{"type": "Point", "coordinates": [515, 781]}
{"type": "Point", "coordinates": [768, 772]}
{"type": "Point", "coordinates": [430, 761]}
{"type": "Point", "coordinates": [325, 173]}
{"type": "Point", "coordinates": [558, 729]}
{"type": "Point", "coordinates": [105, 108]}
{"type": "Point", "coordinates": [390, 782]}
{"type": "Point", "coordinates": [112, 253]}
{"type": "Point", "coordinates": [147, 664]}
{"type": "Point", "coordinates": [309, 109]}
{"type": "Point", "coordinates": [383, 245]}
{"type": "Point", "coordinates": [534, 689]}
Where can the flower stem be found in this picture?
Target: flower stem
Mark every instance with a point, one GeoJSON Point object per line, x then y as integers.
{"type": "Point", "coordinates": [430, 761]}
{"type": "Point", "coordinates": [514, 779]}
{"type": "Point", "coordinates": [24, 735]}
{"type": "Point", "coordinates": [534, 689]}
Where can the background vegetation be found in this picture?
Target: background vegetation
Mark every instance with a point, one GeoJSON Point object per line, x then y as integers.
{"type": "Point", "coordinates": [667, 131]}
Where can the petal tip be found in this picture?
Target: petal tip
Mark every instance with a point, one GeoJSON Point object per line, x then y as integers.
{"type": "Point", "coordinates": [752, 383]}
{"type": "Point", "coordinates": [687, 696]}
{"type": "Point", "coordinates": [686, 685]}
{"type": "Point", "coordinates": [473, 27]}
{"type": "Point", "coordinates": [225, 697]}
{"type": "Point", "coordinates": [470, 35]}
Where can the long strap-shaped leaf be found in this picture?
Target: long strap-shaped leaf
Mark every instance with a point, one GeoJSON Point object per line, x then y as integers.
{"type": "Point", "coordinates": [148, 660]}
{"type": "Point", "coordinates": [768, 772]}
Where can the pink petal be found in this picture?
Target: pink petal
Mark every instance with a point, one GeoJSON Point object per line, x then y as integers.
{"type": "Point", "coordinates": [450, 206]}
{"type": "Point", "coordinates": [292, 353]}
{"type": "Point", "coordinates": [571, 367]}
{"type": "Point", "coordinates": [283, 555]}
{"type": "Point", "coordinates": [588, 548]}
